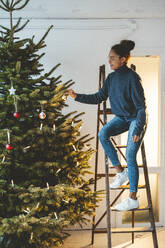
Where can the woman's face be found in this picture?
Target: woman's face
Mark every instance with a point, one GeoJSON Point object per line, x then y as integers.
{"type": "Point", "coordinates": [115, 61]}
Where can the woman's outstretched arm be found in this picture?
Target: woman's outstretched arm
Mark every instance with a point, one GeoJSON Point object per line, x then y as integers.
{"type": "Point", "coordinates": [96, 98]}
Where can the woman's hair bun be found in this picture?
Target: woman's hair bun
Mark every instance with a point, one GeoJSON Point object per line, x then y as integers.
{"type": "Point", "coordinates": [127, 44]}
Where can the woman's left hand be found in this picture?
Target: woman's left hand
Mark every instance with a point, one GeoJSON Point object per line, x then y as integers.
{"type": "Point", "coordinates": [135, 138]}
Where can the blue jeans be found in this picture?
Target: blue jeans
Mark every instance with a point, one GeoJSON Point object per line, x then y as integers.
{"type": "Point", "coordinates": [117, 126]}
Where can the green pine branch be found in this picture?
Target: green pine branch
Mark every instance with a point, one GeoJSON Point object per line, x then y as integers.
{"type": "Point", "coordinates": [7, 6]}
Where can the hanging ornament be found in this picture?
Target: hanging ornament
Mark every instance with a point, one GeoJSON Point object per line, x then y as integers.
{"type": "Point", "coordinates": [77, 164]}
{"type": "Point", "coordinates": [3, 160]}
{"type": "Point", "coordinates": [54, 127]}
{"type": "Point", "coordinates": [25, 149]}
{"type": "Point", "coordinates": [12, 183]}
{"type": "Point", "coordinates": [41, 126]}
{"type": "Point", "coordinates": [42, 115]}
{"type": "Point", "coordinates": [74, 147]}
{"type": "Point", "coordinates": [55, 215]}
{"type": "Point", "coordinates": [58, 171]}
{"type": "Point", "coordinates": [12, 90]}
{"type": "Point", "coordinates": [27, 210]}
{"type": "Point", "coordinates": [16, 114]}
{"type": "Point", "coordinates": [64, 97]}
{"type": "Point", "coordinates": [8, 145]}
{"type": "Point", "coordinates": [47, 185]}
{"type": "Point", "coordinates": [37, 205]}
{"type": "Point", "coordinates": [31, 236]}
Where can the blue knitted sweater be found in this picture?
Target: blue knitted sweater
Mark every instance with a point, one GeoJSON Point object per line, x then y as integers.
{"type": "Point", "coordinates": [126, 96]}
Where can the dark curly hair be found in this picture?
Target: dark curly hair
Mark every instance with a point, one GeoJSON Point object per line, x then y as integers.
{"type": "Point", "coordinates": [123, 48]}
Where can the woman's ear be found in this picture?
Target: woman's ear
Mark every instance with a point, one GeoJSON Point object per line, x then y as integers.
{"type": "Point", "coordinates": [123, 60]}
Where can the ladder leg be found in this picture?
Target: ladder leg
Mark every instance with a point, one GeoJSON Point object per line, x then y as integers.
{"type": "Point", "coordinates": [96, 158]}
{"type": "Point", "coordinates": [92, 241]}
{"type": "Point", "coordinates": [151, 214]}
{"type": "Point", "coordinates": [95, 187]}
{"type": "Point", "coordinates": [133, 224]}
{"type": "Point", "coordinates": [107, 183]}
{"type": "Point", "coordinates": [101, 79]}
{"type": "Point", "coordinates": [95, 184]}
{"type": "Point", "coordinates": [107, 202]}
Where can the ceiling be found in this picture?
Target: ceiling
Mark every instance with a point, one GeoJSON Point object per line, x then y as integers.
{"type": "Point", "coordinates": [90, 9]}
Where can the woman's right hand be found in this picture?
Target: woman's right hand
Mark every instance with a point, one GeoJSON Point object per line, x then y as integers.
{"type": "Point", "coordinates": [71, 93]}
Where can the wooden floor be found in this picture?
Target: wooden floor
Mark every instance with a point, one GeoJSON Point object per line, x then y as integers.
{"type": "Point", "coordinates": [82, 239]}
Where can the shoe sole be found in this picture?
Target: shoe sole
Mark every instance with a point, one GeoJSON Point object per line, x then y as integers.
{"type": "Point", "coordinates": [119, 186]}
{"type": "Point", "coordinates": [127, 210]}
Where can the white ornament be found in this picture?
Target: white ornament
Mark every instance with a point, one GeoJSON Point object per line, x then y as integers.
{"type": "Point", "coordinates": [12, 90]}
{"type": "Point", "coordinates": [27, 147]}
{"type": "Point", "coordinates": [55, 215]}
{"type": "Point", "coordinates": [12, 183]}
{"type": "Point", "coordinates": [31, 237]}
{"type": "Point", "coordinates": [41, 126]}
{"type": "Point", "coordinates": [74, 147]}
{"type": "Point", "coordinates": [26, 211]}
{"type": "Point", "coordinates": [64, 97]}
{"type": "Point", "coordinates": [58, 171]}
{"type": "Point", "coordinates": [3, 160]}
{"type": "Point", "coordinates": [42, 115]}
{"type": "Point", "coordinates": [77, 164]}
{"type": "Point", "coordinates": [47, 185]}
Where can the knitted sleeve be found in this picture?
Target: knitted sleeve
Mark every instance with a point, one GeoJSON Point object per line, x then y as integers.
{"type": "Point", "coordinates": [138, 98]}
{"type": "Point", "coordinates": [95, 98]}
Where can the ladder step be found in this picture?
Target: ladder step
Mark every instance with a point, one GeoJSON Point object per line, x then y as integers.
{"type": "Point", "coordinates": [127, 187]}
{"type": "Point", "coordinates": [117, 146]}
{"type": "Point", "coordinates": [125, 230]}
{"type": "Point", "coordinates": [103, 174]}
{"type": "Point", "coordinates": [137, 209]}
{"type": "Point", "coordinates": [124, 166]}
{"type": "Point", "coordinates": [108, 111]}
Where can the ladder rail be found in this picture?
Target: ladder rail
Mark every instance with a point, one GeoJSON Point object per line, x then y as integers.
{"type": "Point", "coordinates": [149, 198]}
{"type": "Point", "coordinates": [96, 156]}
{"type": "Point", "coordinates": [107, 188]}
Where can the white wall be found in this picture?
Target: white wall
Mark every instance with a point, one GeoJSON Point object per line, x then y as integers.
{"type": "Point", "coordinates": [83, 34]}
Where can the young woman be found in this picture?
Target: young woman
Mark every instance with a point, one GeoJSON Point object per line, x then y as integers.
{"type": "Point", "coordinates": [126, 95]}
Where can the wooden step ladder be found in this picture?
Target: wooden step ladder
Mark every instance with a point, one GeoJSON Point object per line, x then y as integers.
{"type": "Point", "coordinates": [109, 206]}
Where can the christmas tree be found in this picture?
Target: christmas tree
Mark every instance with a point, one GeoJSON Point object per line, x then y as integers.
{"type": "Point", "coordinates": [43, 160]}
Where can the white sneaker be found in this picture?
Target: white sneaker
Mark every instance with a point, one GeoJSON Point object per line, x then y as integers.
{"type": "Point", "coordinates": [127, 204]}
{"type": "Point", "coordinates": [120, 178]}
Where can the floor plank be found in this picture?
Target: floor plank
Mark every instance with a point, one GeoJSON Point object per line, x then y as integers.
{"type": "Point", "coordinates": [82, 239]}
